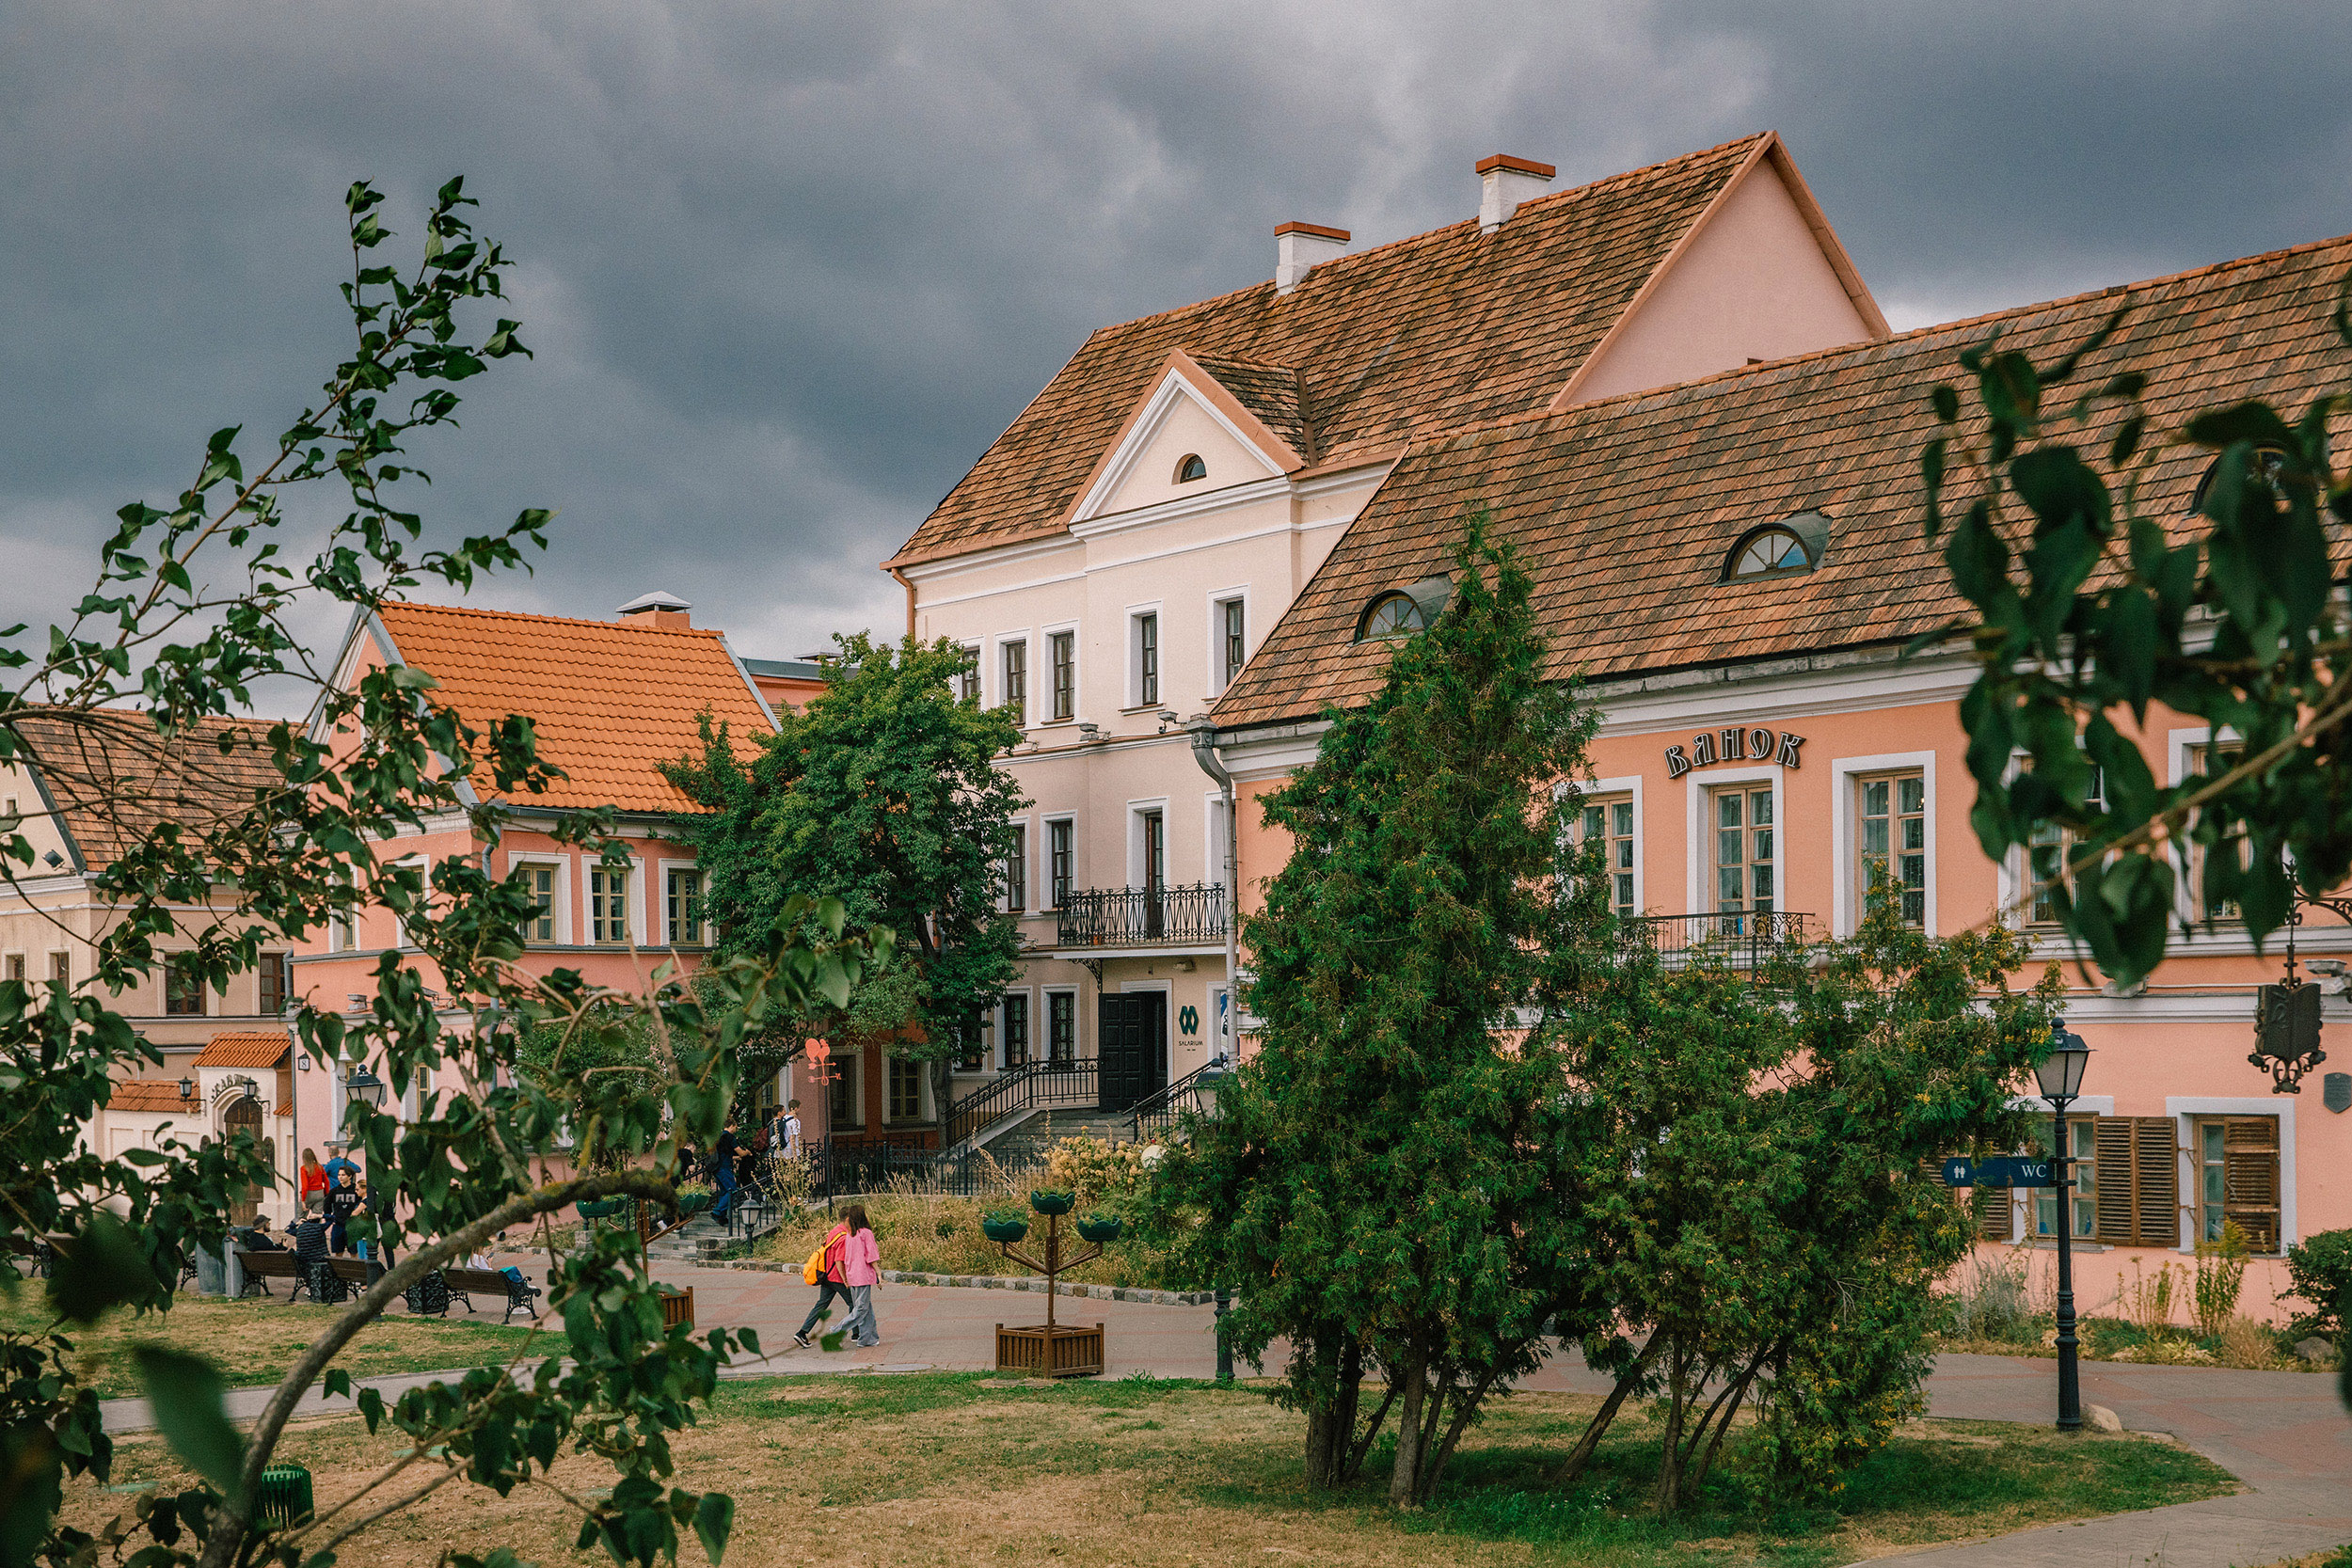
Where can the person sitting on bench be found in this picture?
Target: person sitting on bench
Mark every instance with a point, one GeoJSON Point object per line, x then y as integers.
{"type": "Point", "coordinates": [256, 1237]}
{"type": "Point", "coordinates": [310, 1244]}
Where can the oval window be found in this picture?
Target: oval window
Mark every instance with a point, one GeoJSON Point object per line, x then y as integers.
{"type": "Point", "coordinates": [1768, 552]}
{"type": "Point", "coordinates": [1191, 469]}
{"type": "Point", "coordinates": [1390, 615]}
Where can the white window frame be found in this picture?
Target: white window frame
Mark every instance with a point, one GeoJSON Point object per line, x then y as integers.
{"type": "Point", "coordinates": [979, 650]}
{"type": "Point", "coordinates": [400, 926]}
{"type": "Point", "coordinates": [1043, 678]}
{"type": "Point", "coordinates": [1631, 784]}
{"type": "Point", "coordinates": [563, 864]}
{"type": "Point", "coordinates": [2010, 877]}
{"type": "Point", "coordinates": [996, 1053]}
{"type": "Point", "coordinates": [1218, 601]}
{"type": "Point", "coordinates": [1845, 820]}
{"type": "Point", "coordinates": [995, 691]}
{"type": "Point", "coordinates": [1699, 788]}
{"type": "Point", "coordinates": [634, 909]}
{"type": "Point", "coordinates": [1045, 856]}
{"type": "Point", "coordinates": [1212, 828]}
{"type": "Point", "coordinates": [2177, 746]}
{"type": "Point", "coordinates": [1028, 868]}
{"type": "Point", "coordinates": [1136, 813]}
{"type": "Point", "coordinates": [2182, 1109]}
{"type": "Point", "coordinates": [669, 936]}
{"type": "Point", "coordinates": [1220, 1017]}
{"type": "Point", "coordinates": [1132, 694]}
{"type": "Point", "coordinates": [1041, 1025]}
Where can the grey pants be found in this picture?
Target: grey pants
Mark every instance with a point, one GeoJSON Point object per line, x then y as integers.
{"type": "Point", "coordinates": [861, 1315]}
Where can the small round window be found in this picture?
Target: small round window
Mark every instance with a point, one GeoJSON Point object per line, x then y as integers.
{"type": "Point", "coordinates": [2269, 461]}
{"type": "Point", "coordinates": [1770, 552]}
{"type": "Point", "coordinates": [1191, 469]}
{"type": "Point", "coordinates": [1390, 615]}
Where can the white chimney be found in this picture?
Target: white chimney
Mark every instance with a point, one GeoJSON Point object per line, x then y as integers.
{"type": "Point", "coordinates": [1298, 247]}
{"type": "Point", "coordinates": [1503, 182]}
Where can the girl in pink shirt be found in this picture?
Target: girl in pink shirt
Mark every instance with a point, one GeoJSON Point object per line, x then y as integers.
{"type": "Point", "coordinates": [860, 1258]}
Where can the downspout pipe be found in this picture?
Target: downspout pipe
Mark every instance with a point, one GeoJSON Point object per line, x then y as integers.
{"type": "Point", "coordinates": [1203, 733]}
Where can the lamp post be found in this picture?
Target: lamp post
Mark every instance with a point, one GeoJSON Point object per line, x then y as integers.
{"type": "Point", "coordinates": [365, 1085]}
{"type": "Point", "coordinates": [2059, 1073]}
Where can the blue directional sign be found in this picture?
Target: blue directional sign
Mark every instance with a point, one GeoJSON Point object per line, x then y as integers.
{"type": "Point", "coordinates": [2001, 1170]}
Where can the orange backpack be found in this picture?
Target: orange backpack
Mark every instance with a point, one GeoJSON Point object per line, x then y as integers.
{"type": "Point", "coordinates": [819, 1262]}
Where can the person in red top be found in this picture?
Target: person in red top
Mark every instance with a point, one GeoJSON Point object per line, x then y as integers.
{"type": "Point", "coordinates": [830, 1282]}
{"type": "Point", "coordinates": [314, 1178]}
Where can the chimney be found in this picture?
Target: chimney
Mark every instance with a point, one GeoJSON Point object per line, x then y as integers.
{"type": "Point", "coordinates": [1298, 246]}
{"type": "Point", "coordinates": [1503, 182]}
{"type": "Point", "coordinates": [659, 610]}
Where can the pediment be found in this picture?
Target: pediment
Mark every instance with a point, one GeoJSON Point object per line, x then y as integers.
{"type": "Point", "coordinates": [1231, 413]}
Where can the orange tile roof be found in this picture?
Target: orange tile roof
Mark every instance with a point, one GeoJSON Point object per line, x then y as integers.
{"type": "Point", "coordinates": [1450, 329]}
{"type": "Point", "coordinates": [112, 778]}
{"type": "Point", "coordinates": [149, 1097]}
{"type": "Point", "coordinates": [1626, 509]}
{"type": "Point", "coordinates": [249, 1049]}
{"type": "Point", "coordinates": [611, 699]}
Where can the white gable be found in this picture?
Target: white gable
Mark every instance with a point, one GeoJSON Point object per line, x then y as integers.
{"type": "Point", "coordinates": [1179, 420]}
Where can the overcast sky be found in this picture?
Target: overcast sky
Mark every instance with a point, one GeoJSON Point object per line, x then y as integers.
{"type": "Point", "coordinates": [788, 268]}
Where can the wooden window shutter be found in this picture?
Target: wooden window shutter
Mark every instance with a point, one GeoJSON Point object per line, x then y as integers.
{"type": "Point", "coordinates": [1988, 1207]}
{"type": "Point", "coordinates": [2249, 1177]}
{"type": "Point", "coordinates": [2139, 1181]}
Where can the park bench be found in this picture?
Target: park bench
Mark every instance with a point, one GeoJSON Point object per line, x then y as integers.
{"type": "Point", "coordinates": [490, 1282]}
{"type": "Point", "coordinates": [262, 1267]}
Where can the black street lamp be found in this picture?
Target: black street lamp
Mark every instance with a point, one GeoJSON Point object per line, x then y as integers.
{"type": "Point", "coordinates": [187, 1090]}
{"type": "Point", "coordinates": [2060, 1076]}
{"type": "Point", "coordinates": [366, 1085]}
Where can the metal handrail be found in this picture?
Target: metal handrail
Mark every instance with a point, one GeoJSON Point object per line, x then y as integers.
{"type": "Point", "coordinates": [1743, 938]}
{"type": "Point", "coordinates": [1026, 1086]}
{"type": "Point", "coordinates": [1194, 1091]}
{"type": "Point", "coordinates": [1141, 916]}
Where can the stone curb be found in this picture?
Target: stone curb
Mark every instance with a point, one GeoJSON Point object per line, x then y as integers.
{"type": "Point", "coordinates": [981, 1282]}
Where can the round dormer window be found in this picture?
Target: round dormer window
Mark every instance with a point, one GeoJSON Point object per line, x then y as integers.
{"type": "Point", "coordinates": [1190, 468]}
{"type": "Point", "coordinates": [1392, 615]}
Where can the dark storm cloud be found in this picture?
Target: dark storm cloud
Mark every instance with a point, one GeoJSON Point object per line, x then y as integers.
{"type": "Point", "coordinates": [789, 269]}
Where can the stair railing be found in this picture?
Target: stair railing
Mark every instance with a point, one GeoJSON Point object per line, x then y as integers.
{"type": "Point", "coordinates": [1154, 1116]}
{"type": "Point", "coordinates": [1024, 1089]}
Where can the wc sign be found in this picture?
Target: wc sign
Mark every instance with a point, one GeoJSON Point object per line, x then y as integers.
{"type": "Point", "coordinates": [1736, 743]}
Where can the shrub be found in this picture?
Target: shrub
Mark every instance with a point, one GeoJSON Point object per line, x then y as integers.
{"type": "Point", "coordinates": [2319, 1272]}
{"type": "Point", "coordinates": [2220, 1275]}
{"type": "Point", "coordinates": [1993, 1301]}
{"type": "Point", "coordinates": [1093, 1169]}
{"type": "Point", "coordinates": [2248, 1343]}
{"type": "Point", "coordinates": [2148, 1301]}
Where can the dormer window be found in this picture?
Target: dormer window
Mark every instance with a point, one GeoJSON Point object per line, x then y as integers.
{"type": "Point", "coordinates": [1190, 468]}
{"type": "Point", "coordinates": [1779, 549]}
{"type": "Point", "coordinates": [2269, 462]}
{"type": "Point", "coordinates": [1390, 615]}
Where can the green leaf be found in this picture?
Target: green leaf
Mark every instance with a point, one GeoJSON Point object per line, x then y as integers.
{"type": "Point", "coordinates": [714, 1521]}
{"type": "Point", "coordinates": [31, 1491]}
{"type": "Point", "coordinates": [189, 1400]}
{"type": "Point", "coordinates": [105, 1267]}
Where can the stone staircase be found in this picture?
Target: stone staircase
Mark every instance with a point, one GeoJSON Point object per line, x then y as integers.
{"type": "Point", "coordinates": [704, 1237]}
{"type": "Point", "coordinates": [1026, 1142]}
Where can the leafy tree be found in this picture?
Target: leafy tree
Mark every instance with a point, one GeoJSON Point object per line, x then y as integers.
{"type": "Point", "coordinates": [1391, 1180]}
{"type": "Point", "coordinates": [2091, 600]}
{"type": "Point", "coordinates": [189, 612]}
{"type": "Point", "coordinates": [883, 791]}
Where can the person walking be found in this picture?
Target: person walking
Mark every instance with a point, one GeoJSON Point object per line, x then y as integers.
{"type": "Point", "coordinates": [792, 1131]}
{"type": "Point", "coordinates": [722, 1171]}
{"type": "Point", "coordinates": [861, 1259]}
{"type": "Point", "coordinates": [828, 1282]}
{"type": "Point", "coordinates": [342, 1202]}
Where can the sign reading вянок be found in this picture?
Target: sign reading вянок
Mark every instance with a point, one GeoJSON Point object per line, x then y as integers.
{"type": "Point", "coordinates": [1737, 743]}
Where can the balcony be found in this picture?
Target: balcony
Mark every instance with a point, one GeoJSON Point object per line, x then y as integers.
{"type": "Point", "coordinates": [1125, 917]}
{"type": "Point", "coordinates": [1742, 939]}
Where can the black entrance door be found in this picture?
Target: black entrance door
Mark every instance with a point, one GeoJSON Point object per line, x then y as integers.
{"type": "Point", "coordinates": [1131, 1049]}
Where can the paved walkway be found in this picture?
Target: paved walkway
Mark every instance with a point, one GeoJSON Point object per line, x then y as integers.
{"type": "Point", "coordinates": [2284, 1435]}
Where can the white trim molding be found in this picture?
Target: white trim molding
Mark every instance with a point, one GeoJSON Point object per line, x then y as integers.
{"type": "Point", "coordinates": [1844, 821]}
{"type": "Point", "coordinates": [1629, 784]}
{"type": "Point", "coordinates": [2182, 1107]}
{"type": "Point", "coordinates": [1699, 845]}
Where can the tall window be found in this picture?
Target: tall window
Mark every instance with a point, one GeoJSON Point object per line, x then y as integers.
{"type": "Point", "coordinates": [968, 678]}
{"type": "Point", "coordinates": [1744, 851]}
{"type": "Point", "coordinates": [608, 905]}
{"type": "Point", "coordinates": [845, 1108]}
{"type": "Point", "coordinates": [2211, 759]}
{"type": "Point", "coordinates": [2237, 1178]}
{"type": "Point", "coordinates": [683, 900]}
{"type": "Point", "coordinates": [272, 981]}
{"type": "Point", "coordinates": [1065, 650]}
{"type": "Point", "coordinates": [1016, 658]}
{"type": "Point", "coordinates": [16, 968]}
{"type": "Point", "coordinates": [1058, 860]}
{"type": "Point", "coordinates": [61, 968]}
{"type": "Point", "coordinates": [184, 986]}
{"type": "Point", "coordinates": [1610, 824]}
{"type": "Point", "coordinates": [1146, 660]}
{"type": "Point", "coordinates": [2050, 849]}
{"type": "Point", "coordinates": [2083, 1145]}
{"type": "Point", "coordinates": [1155, 870]}
{"type": "Point", "coordinates": [542, 895]}
{"type": "Point", "coordinates": [1016, 1028]}
{"type": "Point", "coordinates": [1233, 644]}
{"type": "Point", "coordinates": [1892, 824]}
{"type": "Point", "coordinates": [978, 1049]}
{"type": "Point", "coordinates": [1017, 869]}
{"type": "Point", "coordinates": [906, 1090]}
{"type": "Point", "coordinates": [1061, 1026]}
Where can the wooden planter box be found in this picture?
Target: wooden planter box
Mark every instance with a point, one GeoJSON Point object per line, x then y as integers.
{"type": "Point", "coordinates": [1069, 1353]}
{"type": "Point", "coordinates": [679, 1310]}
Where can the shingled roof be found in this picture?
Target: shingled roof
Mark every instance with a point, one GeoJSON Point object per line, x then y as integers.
{"type": "Point", "coordinates": [111, 778]}
{"type": "Point", "coordinates": [1447, 329]}
{"type": "Point", "coordinates": [1626, 509]}
{"type": "Point", "coordinates": [611, 699]}
{"type": "Point", "coordinates": [248, 1049]}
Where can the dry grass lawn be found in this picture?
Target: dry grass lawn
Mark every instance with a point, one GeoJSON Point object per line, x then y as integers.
{"type": "Point", "coordinates": [897, 1472]}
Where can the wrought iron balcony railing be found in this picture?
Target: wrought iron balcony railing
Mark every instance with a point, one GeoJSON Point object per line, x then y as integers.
{"type": "Point", "coordinates": [1142, 918]}
{"type": "Point", "coordinates": [1743, 938]}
